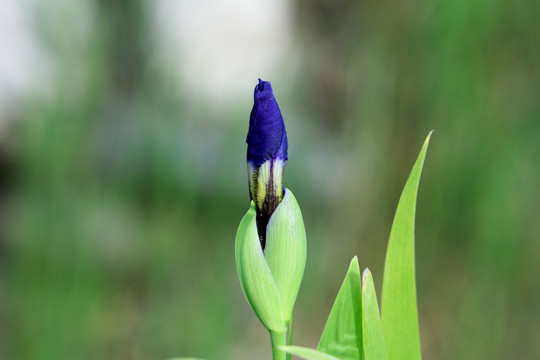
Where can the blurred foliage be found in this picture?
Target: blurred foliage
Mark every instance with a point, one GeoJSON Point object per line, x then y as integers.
{"type": "Point", "coordinates": [118, 225]}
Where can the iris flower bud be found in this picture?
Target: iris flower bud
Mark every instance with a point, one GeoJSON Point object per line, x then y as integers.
{"type": "Point", "coordinates": [270, 275]}
{"type": "Point", "coordinates": [266, 155]}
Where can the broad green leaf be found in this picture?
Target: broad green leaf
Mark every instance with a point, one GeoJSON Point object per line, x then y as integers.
{"type": "Point", "coordinates": [255, 277]}
{"type": "Point", "coordinates": [184, 359]}
{"type": "Point", "coordinates": [306, 353]}
{"type": "Point", "coordinates": [285, 250]}
{"type": "Point", "coordinates": [342, 335]}
{"type": "Point", "coordinates": [399, 312]}
{"type": "Point", "coordinates": [374, 348]}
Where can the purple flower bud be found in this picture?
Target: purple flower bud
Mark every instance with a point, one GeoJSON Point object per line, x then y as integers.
{"type": "Point", "coordinates": [266, 155]}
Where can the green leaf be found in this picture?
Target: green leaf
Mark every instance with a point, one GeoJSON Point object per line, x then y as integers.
{"type": "Point", "coordinates": [399, 312]}
{"type": "Point", "coordinates": [257, 283]}
{"type": "Point", "coordinates": [286, 249]}
{"type": "Point", "coordinates": [306, 353]}
{"type": "Point", "coordinates": [374, 348]}
{"type": "Point", "coordinates": [342, 335]}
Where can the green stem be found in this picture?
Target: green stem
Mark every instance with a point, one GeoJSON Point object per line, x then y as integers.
{"type": "Point", "coordinates": [278, 339]}
{"type": "Point", "coordinates": [289, 338]}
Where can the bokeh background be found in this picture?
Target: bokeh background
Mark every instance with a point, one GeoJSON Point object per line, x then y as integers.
{"type": "Point", "coordinates": [123, 175]}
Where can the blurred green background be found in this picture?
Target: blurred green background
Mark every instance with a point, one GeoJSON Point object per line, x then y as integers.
{"type": "Point", "coordinates": [123, 175]}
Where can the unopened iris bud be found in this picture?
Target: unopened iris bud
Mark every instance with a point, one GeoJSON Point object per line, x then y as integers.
{"type": "Point", "coordinates": [270, 276]}
{"type": "Point", "coordinates": [266, 155]}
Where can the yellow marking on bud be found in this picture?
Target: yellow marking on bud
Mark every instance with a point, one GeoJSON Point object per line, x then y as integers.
{"type": "Point", "coordinates": [252, 178]}
{"type": "Point", "coordinates": [263, 177]}
{"type": "Point", "coordinates": [277, 174]}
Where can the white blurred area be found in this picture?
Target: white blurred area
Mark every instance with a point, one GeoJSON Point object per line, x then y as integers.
{"type": "Point", "coordinates": [212, 49]}
{"type": "Point", "coordinates": [24, 66]}
{"type": "Point", "coordinates": [218, 48]}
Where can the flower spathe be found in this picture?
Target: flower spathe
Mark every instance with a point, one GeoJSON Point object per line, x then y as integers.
{"type": "Point", "coordinates": [271, 279]}
{"type": "Point", "coordinates": [266, 155]}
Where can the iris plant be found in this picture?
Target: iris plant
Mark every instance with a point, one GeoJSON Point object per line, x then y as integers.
{"type": "Point", "coordinates": [271, 256]}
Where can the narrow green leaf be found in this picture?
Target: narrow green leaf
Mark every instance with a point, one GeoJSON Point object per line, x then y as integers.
{"type": "Point", "coordinates": [374, 348]}
{"type": "Point", "coordinates": [399, 312]}
{"type": "Point", "coordinates": [306, 353]}
{"type": "Point", "coordinates": [255, 277]}
{"type": "Point", "coordinates": [342, 335]}
{"type": "Point", "coordinates": [285, 250]}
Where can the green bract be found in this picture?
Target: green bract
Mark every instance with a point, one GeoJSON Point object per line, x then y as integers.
{"type": "Point", "coordinates": [271, 279]}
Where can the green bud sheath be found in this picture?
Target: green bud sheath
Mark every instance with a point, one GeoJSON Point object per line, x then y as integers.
{"type": "Point", "coordinates": [255, 278]}
{"type": "Point", "coordinates": [286, 250]}
{"type": "Point", "coordinates": [271, 279]}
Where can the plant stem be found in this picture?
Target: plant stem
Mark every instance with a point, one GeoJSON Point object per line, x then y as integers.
{"type": "Point", "coordinates": [290, 338]}
{"type": "Point", "coordinates": [278, 339]}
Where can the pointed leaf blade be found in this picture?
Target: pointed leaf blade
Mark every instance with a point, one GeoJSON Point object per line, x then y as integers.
{"type": "Point", "coordinates": [399, 310]}
{"type": "Point", "coordinates": [374, 348]}
{"type": "Point", "coordinates": [342, 335]}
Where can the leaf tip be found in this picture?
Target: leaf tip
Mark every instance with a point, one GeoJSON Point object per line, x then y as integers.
{"type": "Point", "coordinates": [365, 276]}
{"type": "Point", "coordinates": [354, 267]}
{"type": "Point", "coordinates": [429, 137]}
